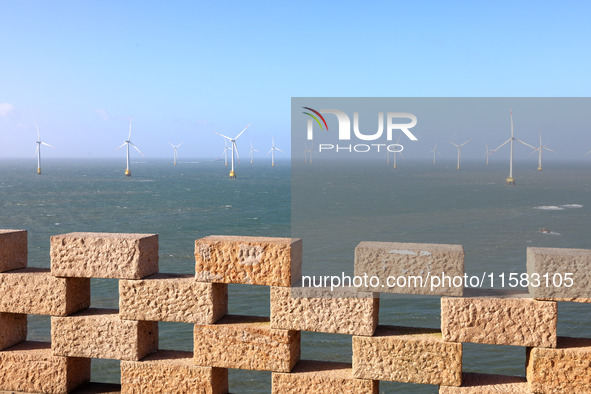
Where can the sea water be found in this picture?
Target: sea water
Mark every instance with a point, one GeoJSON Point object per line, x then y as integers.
{"type": "Point", "coordinates": [437, 204]}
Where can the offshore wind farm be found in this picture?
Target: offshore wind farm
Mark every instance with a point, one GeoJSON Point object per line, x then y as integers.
{"type": "Point", "coordinates": [230, 147]}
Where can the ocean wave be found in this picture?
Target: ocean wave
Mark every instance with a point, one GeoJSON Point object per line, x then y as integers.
{"type": "Point", "coordinates": [571, 206]}
{"type": "Point", "coordinates": [550, 208]}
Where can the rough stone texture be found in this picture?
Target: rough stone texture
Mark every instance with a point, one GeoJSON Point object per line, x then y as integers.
{"type": "Point", "coordinates": [171, 371]}
{"type": "Point", "coordinates": [100, 333]}
{"type": "Point", "coordinates": [246, 342]}
{"type": "Point", "coordinates": [13, 249]}
{"type": "Point", "coordinates": [552, 261]}
{"type": "Point", "coordinates": [176, 298]}
{"type": "Point", "coordinates": [13, 329]}
{"type": "Point", "coordinates": [248, 260]}
{"type": "Point", "coordinates": [35, 291]}
{"type": "Point", "coordinates": [479, 383]}
{"type": "Point", "coordinates": [321, 377]}
{"type": "Point", "coordinates": [499, 321]}
{"type": "Point", "coordinates": [31, 367]}
{"type": "Point", "coordinates": [384, 259]}
{"type": "Point", "coordinates": [411, 355]}
{"type": "Point", "coordinates": [566, 369]}
{"type": "Point", "coordinates": [104, 255]}
{"type": "Point", "coordinates": [321, 310]}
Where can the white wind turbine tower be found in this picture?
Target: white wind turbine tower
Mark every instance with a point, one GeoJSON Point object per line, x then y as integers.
{"type": "Point", "coordinates": [396, 152]}
{"type": "Point", "coordinates": [459, 150]}
{"type": "Point", "coordinates": [251, 151]}
{"type": "Point", "coordinates": [272, 152]}
{"type": "Point", "coordinates": [487, 152]}
{"type": "Point", "coordinates": [510, 180]}
{"type": "Point", "coordinates": [175, 147]}
{"type": "Point", "coordinates": [38, 150]}
{"type": "Point", "coordinates": [306, 152]}
{"type": "Point", "coordinates": [234, 149]}
{"type": "Point", "coordinates": [434, 152]}
{"type": "Point", "coordinates": [226, 152]}
{"type": "Point", "coordinates": [128, 142]}
{"type": "Point", "coordinates": [539, 149]}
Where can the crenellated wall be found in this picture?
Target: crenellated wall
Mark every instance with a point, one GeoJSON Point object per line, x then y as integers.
{"type": "Point", "coordinates": [221, 341]}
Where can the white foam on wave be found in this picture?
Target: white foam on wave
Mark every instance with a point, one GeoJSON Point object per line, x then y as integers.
{"type": "Point", "coordinates": [571, 206]}
{"type": "Point", "coordinates": [550, 208]}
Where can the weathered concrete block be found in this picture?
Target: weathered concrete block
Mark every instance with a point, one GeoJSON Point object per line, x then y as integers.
{"type": "Point", "coordinates": [499, 321]}
{"type": "Point", "coordinates": [171, 371]}
{"type": "Point", "coordinates": [551, 266]}
{"type": "Point", "coordinates": [479, 383]}
{"type": "Point", "coordinates": [321, 377]}
{"type": "Point", "coordinates": [13, 329]}
{"type": "Point", "coordinates": [248, 260]}
{"type": "Point", "coordinates": [104, 255]}
{"type": "Point", "coordinates": [31, 367]}
{"type": "Point", "coordinates": [246, 342]}
{"type": "Point", "coordinates": [566, 369]}
{"type": "Point", "coordinates": [417, 264]}
{"type": "Point", "coordinates": [177, 298]}
{"type": "Point", "coordinates": [13, 249]}
{"type": "Point", "coordinates": [320, 310]}
{"type": "Point", "coordinates": [411, 355]}
{"type": "Point", "coordinates": [100, 333]}
{"type": "Point", "coordinates": [35, 291]}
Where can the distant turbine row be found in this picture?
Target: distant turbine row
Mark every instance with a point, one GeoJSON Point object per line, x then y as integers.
{"type": "Point", "coordinates": [128, 142]}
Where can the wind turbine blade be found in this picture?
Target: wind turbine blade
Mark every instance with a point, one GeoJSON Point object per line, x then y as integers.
{"type": "Point", "coordinates": [38, 137]}
{"type": "Point", "coordinates": [272, 141]}
{"type": "Point", "coordinates": [170, 143]}
{"type": "Point", "coordinates": [180, 144]}
{"type": "Point", "coordinates": [525, 143]}
{"type": "Point", "coordinates": [129, 138]}
{"type": "Point", "coordinates": [503, 144]}
{"type": "Point", "coordinates": [236, 150]}
{"type": "Point", "coordinates": [226, 137]}
{"type": "Point", "coordinates": [466, 142]}
{"type": "Point", "coordinates": [122, 145]}
{"type": "Point", "coordinates": [456, 145]}
{"type": "Point", "coordinates": [532, 152]}
{"type": "Point", "coordinates": [136, 148]}
{"type": "Point", "coordinates": [271, 150]}
{"type": "Point", "coordinates": [242, 131]}
{"type": "Point", "coordinates": [36, 149]}
{"type": "Point", "coordinates": [279, 150]}
{"type": "Point", "coordinates": [46, 144]}
{"type": "Point", "coordinates": [548, 149]}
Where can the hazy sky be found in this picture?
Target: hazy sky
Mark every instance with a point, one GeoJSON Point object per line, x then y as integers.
{"type": "Point", "coordinates": [184, 70]}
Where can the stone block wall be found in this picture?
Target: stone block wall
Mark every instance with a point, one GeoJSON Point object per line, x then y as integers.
{"type": "Point", "coordinates": [80, 333]}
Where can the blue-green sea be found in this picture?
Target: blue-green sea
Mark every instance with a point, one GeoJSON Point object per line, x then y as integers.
{"type": "Point", "coordinates": [472, 207]}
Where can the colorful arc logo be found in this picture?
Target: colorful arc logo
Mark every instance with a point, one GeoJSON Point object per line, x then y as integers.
{"type": "Point", "coordinates": [315, 118]}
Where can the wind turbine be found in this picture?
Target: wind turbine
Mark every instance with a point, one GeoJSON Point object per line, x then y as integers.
{"type": "Point", "coordinates": [128, 142]}
{"type": "Point", "coordinates": [234, 149]}
{"type": "Point", "coordinates": [306, 151]}
{"type": "Point", "coordinates": [38, 150]}
{"type": "Point", "coordinates": [396, 153]}
{"type": "Point", "coordinates": [487, 152]}
{"type": "Point", "coordinates": [226, 152]}
{"type": "Point", "coordinates": [175, 151]}
{"type": "Point", "coordinates": [540, 149]}
{"type": "Point", "coordinates": [434, 152]}
{"type": "Point", "coordinates": [251, 151]}
{"type": "Point", "coordinates": [510, 180]}
{"type": "Point", "coordinates": [459, 150]}
{"type": "Point", "coordinates": [272, 152]}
